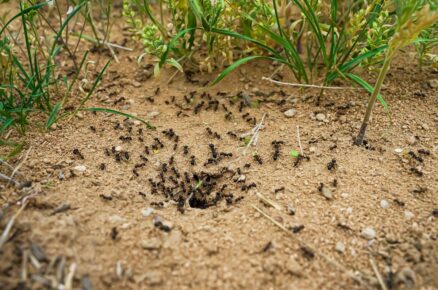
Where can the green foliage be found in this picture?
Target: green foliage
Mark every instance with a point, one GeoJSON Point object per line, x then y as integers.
{"type": "Point", "coordinates": [32, 83]}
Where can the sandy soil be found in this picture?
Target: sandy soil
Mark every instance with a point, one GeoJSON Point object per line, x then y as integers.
{"type": "Point", "coordinates": [102, 202]}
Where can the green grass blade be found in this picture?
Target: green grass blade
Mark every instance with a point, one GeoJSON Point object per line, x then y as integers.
{"type": "Point", "coordinates": [96, 82]}
{"type": "Point", "coordinates": [355, 61]}
{"type": "Point", "coordinates": [148, 125]}
{"type": "Point", "coordinates": [236, 64]}
{"type": "Point", "coordinates": [53, 115]}
{"type": "Point", "coordinates": [369, 88]}
{"type": "Point", "coordinates": [23, 12]}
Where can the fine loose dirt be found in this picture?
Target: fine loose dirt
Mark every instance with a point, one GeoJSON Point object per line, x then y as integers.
{"type": "Point", "coordinates": [176, 207]}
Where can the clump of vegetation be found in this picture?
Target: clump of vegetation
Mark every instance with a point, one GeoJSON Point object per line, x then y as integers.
{"type": "Point", "coordinates": [32, 80]}
{"type": "Point", "coordinates": [411, 21]}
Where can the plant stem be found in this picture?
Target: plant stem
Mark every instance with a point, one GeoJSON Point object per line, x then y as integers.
{"type": "Point", "coordinates": [373, 97]}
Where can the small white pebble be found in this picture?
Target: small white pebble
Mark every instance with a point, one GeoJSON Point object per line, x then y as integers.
{"type": "Point", "coordinates": [368, 233]}
{"type": "Point", "coordinates": [80, 168]}
{"type": "Point", "coordinates": [398, 150]}
{"type": "Point", "coordinates": [340, 247]}
{"type": "Point", "coordinates": [384, 204]}
{"type": "Point", "coordinates": [147, 211]}
{"type": "Point", "coordinates": [408, 215]}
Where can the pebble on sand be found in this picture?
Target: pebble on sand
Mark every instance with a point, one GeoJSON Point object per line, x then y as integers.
{"type": "Point", "coordinates": [368, 233]}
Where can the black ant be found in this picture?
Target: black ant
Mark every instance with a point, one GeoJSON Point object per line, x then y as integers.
{"type": "Point", "coordinates": [247, 165]}
{"type": "Point", "coordinates": [276, 145]}
{"type": "Point", "coordinates": [146, 150]}
{"type": "Point", "coordinates": [159, 143]}
{"type": "Point", "coordinates": [297, 229]}
{"type": "Point", "coordinates": [157, 91]}
{"type": "Point", "coordinates": [125, 138]}
{"type": "Point", "coordinates": [102, 166]}
{"type": "Point", "coordinates": [114, 233]}
{"type": "Point", "coordinates": [192, 160]}
{"type": "Point", "coordinates": [232, 134]}
{"type": "Point", "coordinates": [423, 151]}
{"type": "Point", "coordinates": [248, 187]}
{"type": "Point", "coordinates": [106, 197]}
{"type": "Point", "coordinates": [150, 99]}
{"type": "Point", "coordinates": [416, 171]}
{"type": "Point", "coordinates": [332, 165]}
{"type": "Point", "coordinates": [228, 116]}
{"type": "Point", "coordinates": [213, 150]}
{"type": "Point", "coordinates": [78, 153]}
{"type": "Point", "coordinates": [93, 129]}
{"type": "Point", "coordinates": [414, 156]}
{"type": "Point", "coordinates": [281, 189]}
{"type": "Point", "coordinates": [185, 150]}
{"type": "Point", "coordinates": [258, 159]}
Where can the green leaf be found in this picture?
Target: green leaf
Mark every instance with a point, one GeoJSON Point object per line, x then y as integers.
{"type": "Point", "coordinates": [369, 88]}
{"type": "Point", "coordinates": [294, 153]}
{"type": "Point", "coordinates": [53, 115]}
{"type": "Point", "coordinates": [173, 62]}
{"type": "Point", "coordinates": [238, 63]}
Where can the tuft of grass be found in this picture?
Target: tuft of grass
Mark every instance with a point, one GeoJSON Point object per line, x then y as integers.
{"type": "Point", "coordinates": [412, 20]}
{"type": "Point", "coordinates": [31, 81]}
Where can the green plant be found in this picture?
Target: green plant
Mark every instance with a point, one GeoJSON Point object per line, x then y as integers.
{"type": "Point", "coordinates": [31, 81]}
{"type": "Point", "coordinates": [412, 19]}
{"type": "Point", "coordinates": [316, 46]}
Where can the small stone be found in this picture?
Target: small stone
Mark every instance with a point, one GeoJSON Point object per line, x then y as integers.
{"type": "Point", "coordinates": [425, 126]}
{"type": "Point", "coordinates": [151, 244]}
{"type": "Point", "coordinates": [290, 113]}
{"type": "Point", "coordinates": [408, 215]}
{"type": "Point", "coordinates": [349, 210]}
{"type": "Point", "coordinates": [80, 168]}
{"type": "Point", "coordinates": [433, 83]}
{"type": "Point", "coordinates": [153, 114]}
{"type": "Point", "coordinates": [398, 150]}
{"type": "Point", "coordinates": [118, 148]}
{"type": "Point", "coordinates": [326, 192]}
{"type": "Point", "coordinates": [293, 267]}
{"type": "Point", "coordinates": [320, 117]}
{"type": "Point", "coordinates": [412, 140]}
{"type": "Point", "coordinates": [79, 115]}
{"type": "Point", "coordinates": [147, 211]}
{"type": "Point", "coordinates": [384, 204]}
{"type": "Point", "coordinates": [368, 233]}
{"type": "Point", "coordinates": [241, 178]}
{"type": "Point", "coordinates": [340, 247]}
{"type": "Point", "coordinates": [136, 84]}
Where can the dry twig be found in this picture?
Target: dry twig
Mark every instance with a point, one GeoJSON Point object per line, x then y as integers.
{"type": "Point", "coordinates": [309, 86]}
